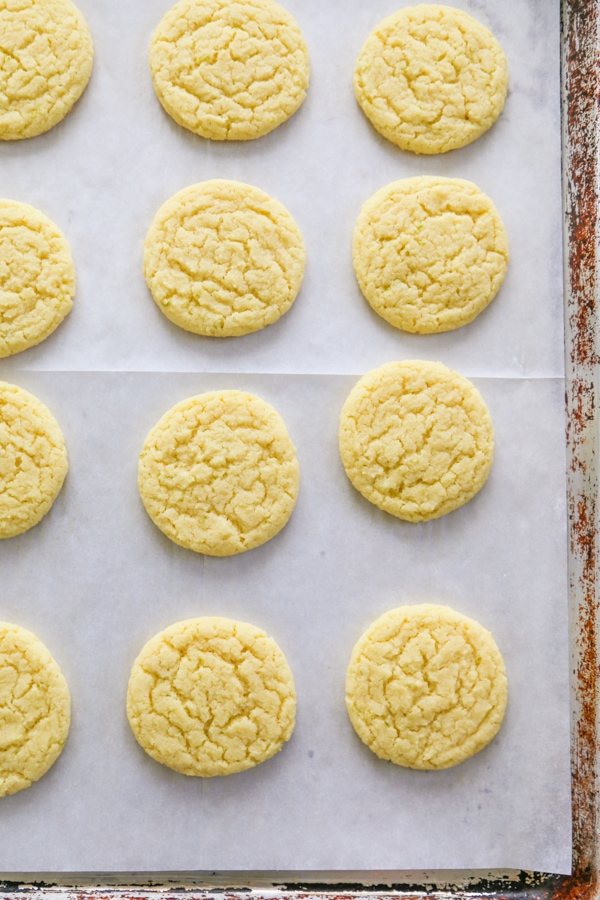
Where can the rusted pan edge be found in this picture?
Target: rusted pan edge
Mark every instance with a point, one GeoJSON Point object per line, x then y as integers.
{"type": "Point", "coordinates": [524, 888]}
{"type": "Point", "coordinates": [581, 122]}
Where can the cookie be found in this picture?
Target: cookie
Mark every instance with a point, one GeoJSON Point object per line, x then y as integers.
{"type": "Point", "coordinates": [431, 78]}
{"type": "Point", "coordinates": [416, 439]}
{"type": "Point", "coordinates": [33, 460]}
{"type": "Point", "coordinates": [429, 253]}
{"type": "Point", "coordinates": [426, 687]}
{"type": "Point", "coordinates": [46, 57]}
{"type": "Point", "coordinates": [35, 709]}
{"type": "Point", "coordinates": [37, 277]}
{"type": "Point", "coordinates": [229, 70]}
{"type": "Point", "coordinates": [211, 696]}
{"type": "Point", "coordinates": [218, 474]}
{"type": "Point", "coordinates": [223, 259]}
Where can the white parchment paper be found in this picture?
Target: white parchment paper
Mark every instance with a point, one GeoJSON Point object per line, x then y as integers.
{"type": "Point", "coordinates": [95, 579]}
{"type": "Point", "coordinates": [105, 170]}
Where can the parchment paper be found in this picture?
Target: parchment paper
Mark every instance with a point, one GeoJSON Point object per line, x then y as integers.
{"type": "Point", "coordinates": [95, 579]}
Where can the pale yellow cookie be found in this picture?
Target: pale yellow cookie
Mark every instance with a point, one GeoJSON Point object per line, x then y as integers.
{"type": "Point", "coordinates": [33, 460]}
{"type": "Point", "coordinates": [426, 687]}
{"type": "Point", "coordinates": [35, 709]}
{"type": "Point", "coordinates": [37, 277]}
{"type": "Point", "coordinates": [218, 474]}
{"type": "Point", "coordinates": [229, 70]}
{"type": "Point", "coordinates": [223, 259]}
{"type": "Point", "coordinates": [416, 439]}
{"type": "Point", "coordinates": [429, 253]}
{"type": "Point", "coordinates": [46, 56]}
{"type": "Point", "coordinates": [431, 78]}
{"type": "Point", "coordinates": [211, 696]}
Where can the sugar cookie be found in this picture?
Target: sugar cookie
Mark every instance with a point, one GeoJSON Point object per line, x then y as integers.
{"type": "Point", "coordinates": [35, 709]}
{"type": "Point", "coordinates": [416, 439]}
{"type": "Point", "coordinates": [218, 474]}
{"type": "Point", "coordinates": [223, 259]}
{"type": "Point", "coordinates": [33, 460]}
{"type": "Point", "coordinates": [426, 687]}
{"type": "Point", "coordinates": [46, 57]}
{"type": "Point", "coordinates": [211, 696]}
{"type": "Point", "coordinates": [37, 277]}
{"type": "Point", "coordinates": [229, 70]}
{"type": "Point", "coordinates": [429, 253]}
{"type": "Point", "coordinates": [431, 78]}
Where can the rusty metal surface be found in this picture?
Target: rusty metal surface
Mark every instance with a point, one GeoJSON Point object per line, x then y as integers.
{"type": "Point", "coordinates": [581, 97]}
{"type": "Point", "coordinates": [581, 117]}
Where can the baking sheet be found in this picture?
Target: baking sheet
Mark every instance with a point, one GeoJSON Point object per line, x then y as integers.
{"type": "Point", "coordinates": [95, 579]}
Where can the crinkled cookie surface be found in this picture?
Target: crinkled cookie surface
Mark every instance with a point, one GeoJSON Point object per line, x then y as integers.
{"type": "Point", "coordinates": [416, 439]}
{"type": "Point", "coordinates": [37, 277]}
{"type": "Point", "coordinates": [431, 78]}
{"type": "Point", "coordinates": [218, 474]}
{"type": "Point", "coordinates": [35, 709]}
{"type": "Point", "coordinates": [211, 696]}
{"type": "Point", "coordinates": [46, 57]}
{"type": "Point", "coordinates": [229, 69]}
{"type": "Point", "coordinates": [429, 253]}
{"type": "Point", "coordinates": [33, 460]}
{"type": "Point", "coordinates": [426, 687]}
{"type": "Point", "coordinates": [223, 259]}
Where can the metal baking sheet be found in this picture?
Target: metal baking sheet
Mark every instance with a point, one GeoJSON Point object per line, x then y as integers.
{"type": "Point", "coordinates": [581, 381]}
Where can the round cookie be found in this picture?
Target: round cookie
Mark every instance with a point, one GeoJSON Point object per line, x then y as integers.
{"type": "Point", "coordinates": [218, 474]}
{"type": "Point", "coordinates": [416, 439]}
{"type": "Point", "coordinates": [426, 687]}
{"type": "Point", "coordinates": [35, 709]}
{"type": "Point", "coordinates": [223, 259]}
{"type": "Point", "coordinates": [211, 696]}
{"type": "Point", "coordinates": [46, 57]}
{"type": "Point", "coordinates": [429, 253]}
{"type": "Point", "coordinates": [33, 460]}
{"type": "Point", "coordinates": [229, 70]}
{"type": "Point", "coordinates": [37, 277]}
{"type": "Point", "coordinates": [431, 78]}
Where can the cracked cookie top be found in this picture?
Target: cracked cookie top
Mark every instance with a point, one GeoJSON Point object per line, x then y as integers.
{"type": "Point", "coordinates": [46, 57]}
{"type": "Point", "coordinates": [416, 439]}
{"type": "Point", "coordinates": [431, 78]}
{"type": "Point", "coordinates": [33, 460]}
{"type": "Point", "coordinates": [35, 709]}
{"type": "Point", "coordinates": [429, 253]}
{"type": "Point", "coordinates": [211, 696]}
{"type": "Point", "coordinates": [37, 277]}
{"type": "Point", "coordinates": [229, 70]}
{"type": "Point", "coordinates": [218, 474]}
{"type": "Point", "coordinates": [223, 259]}
{"type": "Point", "coordinates": [426, 687]}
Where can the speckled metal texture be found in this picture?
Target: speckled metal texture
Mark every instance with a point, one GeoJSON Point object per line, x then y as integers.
{"type": "Point", "coordinates": [581, 120]}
